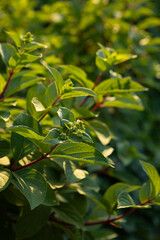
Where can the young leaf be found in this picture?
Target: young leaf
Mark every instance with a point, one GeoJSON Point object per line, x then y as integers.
{"type": "Point", "coordinates": [78, 75]}
{"type": "Point", "coordinates": [32, 185]}
{"type": "Point", "coordinates": [57, 77]}
{"type": "Point", "coordinates": [7, 51]}
{"type": "Point", "coordinates": [80, 152]}
{"type": "Point", "coordinates": [5, 178]}
{"type": "Point", "coordinates": [66, 114]}
{"type": "Point", "coordinates": [15, 37]}
{"type": "Point", "coordinates": [153, 176]}
{"type": "Point", "coordinates": [78, 92]}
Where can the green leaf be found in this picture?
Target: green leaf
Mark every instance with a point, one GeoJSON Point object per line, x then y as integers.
{"type": "Point", "coordinates": [38, 105]}
{"type": "Point", "coordinates": [124, 101]}
{"type": "Point", "coordinates": [5, 178]}
{"type": "Point", "coordinates": [21, 146]}
{"type": "Point", "coordinates": [144, 192]}
{"type": "Point", "coordinates": [32, 185]}
{"type": "Point", "coordinates": [30, 222]}
{"type": "Point", "coordinates": [2, 83]}
{"type": "Point", "coordinates": [50, 94]}
{"type": "Point", "coordinates": [68, 214]}
{"type": "Point", "coordinates": [78, 92]}
{"type": "Point", "coordinates": [15, 37]}
{"type": "Point", "coordinates": [20, 60]}
{"type": "Point", "coordinates": [83, 235]}
{"type": "Point", "coordinates": [4, 148]}
{"type": "Point", "coordinates": [153, 176]}
{"type": "Point", "coordinates": [103, 234]}
{"type": "Point", "coordinates": [101, 130]}
{"type": "Point", "coordinates": [105, 58]}
{"type": "Point", "coordinates": [7, 51]}
{"type": "Point", "coordinates": [82, 112]}
{"type": "Point", "coordinates": [33, 46]}
{"type": "Point", "coordinates": [50, 199]}
{"type": "Point", "coordinates": [66, 114]}
{"type": "Point", "coordinates": [111, 195]}
{"type": "Point", "coordinates": [118, 85]}
{"type": "Point", "coordinates": [21, 81]}
{"type": "Point", "coordinates": [56, 76]}
{"type": "Point", "coordinates": [32, 135]}
{"type": "Point", "coordinates": [38, 91]}
{"type": "Point", "coordinates": [5, 115]}
{"type": "Point", "coordinates": [73, 174]}
{"type": "Point", "coordinates": [122, 57]}
{"type": "Point", "coordinates": [5, 161]}
{"type": "Point", "coordinates": [80, 152]}
{"type": "Point", "coordinates": [78, 75]}
{"type": "Point", "coordinates": [125, 201]}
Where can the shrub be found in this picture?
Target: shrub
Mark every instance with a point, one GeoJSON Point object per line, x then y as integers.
{"type": "Point", "coordinates": [54, 147]}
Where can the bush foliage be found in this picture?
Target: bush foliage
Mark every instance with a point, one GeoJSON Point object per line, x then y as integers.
{"type": "Point", "coordinates": [78, 126]}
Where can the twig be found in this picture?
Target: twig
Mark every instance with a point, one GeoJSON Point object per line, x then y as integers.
{"type": "Point", "coordinates": [109, 221]}
{"type": "Point", "coordinates": [57, 99]}
{"type": "Point", "coordinates": [95, 84]}
{"type": "Point", "coordinates": [44, 156]}
{"type": "Point", "coordinates": [99, 104]}
{"type": "Point", "coordinates": [7, 84]}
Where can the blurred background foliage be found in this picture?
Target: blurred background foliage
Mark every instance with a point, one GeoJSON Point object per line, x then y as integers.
{"type": "Point", "coordinates": [71, 31]}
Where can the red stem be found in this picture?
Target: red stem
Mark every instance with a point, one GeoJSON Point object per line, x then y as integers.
{"type": "Point", "coordinates": [7, 84]}
{"type": "Point", "coordinates": [95, 84]}
{"type": "Point", "coordinates": [44, 156]}
{"type": "Point", "coordinates": [57, 99]}
{"type": "Point", "coordinates": [109, 221]}
{"type": "Point", "coordinates": [99, 104]}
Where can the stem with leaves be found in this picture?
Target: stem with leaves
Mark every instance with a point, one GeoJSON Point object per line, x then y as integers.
{"type": "Point", "coordinates": [95, 84]}
{"type": "Point", "coordinates": [43, 156]}
{"type": "Point", "coordinates": [7, 84]}
{"type": "Point", "coordinates": [56, 100]}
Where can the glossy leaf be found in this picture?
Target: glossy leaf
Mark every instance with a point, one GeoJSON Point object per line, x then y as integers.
{"type": "Point", "coordinates": [32, 185]}
{"type": "Point", "coordinates": [78, 92]}
{"type": "Point", "coordinates": [153, 176]}
{"type": "Point", "coordinates": [7, 51]}
{"type": "Point", "coordinates": [32, 135]}
{"type": "Point", "coordinates": [80, 152]}
{"type": "Point", "coordinates": [121, 85]}
{"type": "Point", "coordinates": [5, 178]}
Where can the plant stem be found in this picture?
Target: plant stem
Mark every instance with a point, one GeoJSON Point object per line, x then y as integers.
{"type": "Point", "coordinates": [109, 221]}
{"type": "Point", "coordinates": [56, 100]}
{"type": "Point", "coordinates": [99, 104]}
{"type": "Point", "coordinates": [6, 86]}
{"type": "Point", "coordinates": [95, 84]}
{"type": "Point", "coordinates": [44, 156]}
